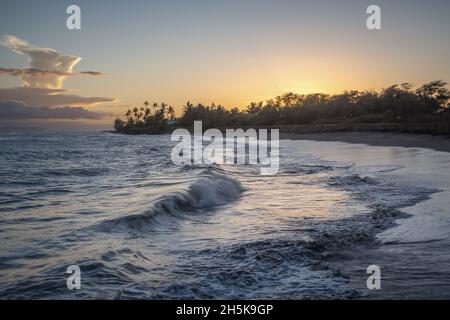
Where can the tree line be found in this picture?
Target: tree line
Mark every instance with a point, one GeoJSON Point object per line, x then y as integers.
{"type": "Point", "coordinates": [394, 104]}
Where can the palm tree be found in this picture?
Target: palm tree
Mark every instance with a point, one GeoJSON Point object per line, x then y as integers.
{"type": "Point", "coordinates": [146, 104]}
{"type": "Point", "coordinates": [254, 108]}
{"type": "Point", "coordinates": [147, 113]}
{"type": "Point", "coordinates": [163, 108]}
{"type": "Point", "coordinates": [171, 113]}
{"type": "Point", "coordinates": [128, 114]}
{"type": "Point", "coordinates": [136, 114]}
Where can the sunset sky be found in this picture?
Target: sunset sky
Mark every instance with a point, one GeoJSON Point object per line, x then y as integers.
{"type": "Point", "coordinates": [230, 52]}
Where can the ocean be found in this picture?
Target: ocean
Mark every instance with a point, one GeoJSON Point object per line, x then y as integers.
{"type": "Point", "coordinates": [140, 227]}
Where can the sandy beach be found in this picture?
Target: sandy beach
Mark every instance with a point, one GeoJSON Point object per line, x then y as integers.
{"type": "Point", "coordinates": [407, 140]}
{"type": "Point", "coordinates": [418, 239]}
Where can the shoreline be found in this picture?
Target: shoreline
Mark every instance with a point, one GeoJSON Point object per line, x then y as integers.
{"type": "Point", "coordinates": [434, 136]}
{"type": "Point", "coordinates": [385, 139]}
{"type": "Point", "coordinates": [419, 234]}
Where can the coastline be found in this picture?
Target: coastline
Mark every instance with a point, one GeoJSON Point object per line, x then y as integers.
{"type": "Point", "coordinates": [420, 238]}
{"type": "Point", "coordinates": [385, 139]}
{"type": "Point", "coordinates": [374, 138]}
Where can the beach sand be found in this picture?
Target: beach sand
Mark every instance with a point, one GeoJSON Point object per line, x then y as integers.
{"type": "Point", "coordinates": [413, 254]}
{"type": "Point", "coordinates": [407, 140]}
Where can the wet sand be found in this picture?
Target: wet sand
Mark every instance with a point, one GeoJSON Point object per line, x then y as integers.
{"type": "Point", "coordinates": [413, 253]}
{"type": "Point", "coordinates": [407, 140]}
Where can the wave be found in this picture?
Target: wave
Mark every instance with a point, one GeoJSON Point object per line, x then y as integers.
{"type": "Point", "coordinates": [207, 192]}
{"type": "Point", "coordinates": [314, 166]}
{"type": "Point", "coordinates": [80, 172]}
{"type": "Point", "coordinates": [378, 168]}
{"type": "Point", "coordinates": [352, 179]}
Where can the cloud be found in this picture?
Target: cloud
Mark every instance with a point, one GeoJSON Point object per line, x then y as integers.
{"type": "Point", "coordinates": [91, 73]}
{"type": "Point", "coordinates": [32, 72]}
{"type": "Point", "coordinates": [47, 68]}
{"type": "Point", "coordinates": [42, 97]}
{"type": "Point", "coordinates": [48, 97]}
{"type": "Point", "coordinates": [44, 73]}
{"type": "Point", "coordinates": [15, 110]}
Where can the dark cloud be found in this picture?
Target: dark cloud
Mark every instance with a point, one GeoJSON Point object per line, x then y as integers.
{"type": "Point", "coordinates": [48, 97]}
{"type": "Point", "coordinates": [91, 73]}
{"type": "Point", "coordinates": [44, 73]}
{"type": "Point", "coordinates": [15, 110]}
{"type": "Point", "coordinates": [32, 72]}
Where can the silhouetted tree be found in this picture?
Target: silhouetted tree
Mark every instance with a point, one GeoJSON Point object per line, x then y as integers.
{"type": "Point", "coordinates": [396, 103]}
{"type": "Point", "coordinates": [171, 113]}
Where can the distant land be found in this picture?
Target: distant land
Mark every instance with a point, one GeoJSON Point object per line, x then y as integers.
{"type": "Point", "coordinates": [398, 108]}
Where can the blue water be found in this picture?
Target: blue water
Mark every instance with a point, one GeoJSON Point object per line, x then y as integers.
{"type": "Point", "coordinates": [140, 227]}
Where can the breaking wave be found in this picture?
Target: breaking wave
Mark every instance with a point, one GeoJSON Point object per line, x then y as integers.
{"type": "Point", "coordinates": [207, 192]}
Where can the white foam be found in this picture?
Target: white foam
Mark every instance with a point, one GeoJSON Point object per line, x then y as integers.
{"type": "Point", "coordinates": [415, 167]}
{"type": "Point", "coordinates": [428, 222]}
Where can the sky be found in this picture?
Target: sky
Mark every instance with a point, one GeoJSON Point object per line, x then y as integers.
{"type": "Point", "coordinates": [229, 52]}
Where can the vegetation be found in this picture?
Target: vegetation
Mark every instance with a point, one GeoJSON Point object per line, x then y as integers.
{"type": "Point", "coordinates": [395, 104]}
{"type": "Point", "coordinates": [157, 119]}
